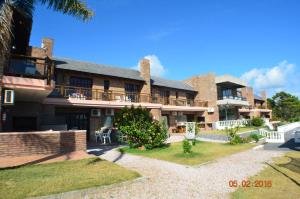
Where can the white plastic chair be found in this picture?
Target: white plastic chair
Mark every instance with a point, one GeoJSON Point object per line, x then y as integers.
{"type": "Point", "coordinates": [106, 136]}
{"type": "Point", "coordinates": [98, 134]}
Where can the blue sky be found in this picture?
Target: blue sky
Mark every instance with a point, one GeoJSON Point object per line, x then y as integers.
{"type": "Point", "coordinates": [255, 39]}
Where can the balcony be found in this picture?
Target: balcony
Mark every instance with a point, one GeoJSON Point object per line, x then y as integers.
{"type": "Point", "coordinates": [29, 67]}
{"type": "Point", "coordinates": [29, 77]}
{"type": "Point", "coordinates": [79, 93]}
{"type": "Point", "coordinates": [232, 100]}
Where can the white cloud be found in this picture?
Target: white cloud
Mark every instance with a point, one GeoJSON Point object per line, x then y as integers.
{"type": "Point", "coordinates": [281, 77]}
{"type": "Point", "coordinates": [156, 68]}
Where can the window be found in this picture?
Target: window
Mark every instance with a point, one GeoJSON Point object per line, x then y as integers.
{"type": "Point", "coordinates": [131, 88]}
{"type": "Point", "coordinates": [227, 92]}
{"type": "Point", "coordinates": [176, 95]}
{"type": "Point", "coordinates": [106, 85]}
{"type": "Point", "coordinates": [81, 82]}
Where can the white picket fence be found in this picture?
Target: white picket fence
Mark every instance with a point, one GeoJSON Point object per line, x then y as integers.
{"type": "Point", "coordinates": [272, 136]}
{"type": "Point", "coordinates": [221, 125]}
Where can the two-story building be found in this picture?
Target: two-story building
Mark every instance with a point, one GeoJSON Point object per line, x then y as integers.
{"type": "Point", "coordinates": [43, 92]}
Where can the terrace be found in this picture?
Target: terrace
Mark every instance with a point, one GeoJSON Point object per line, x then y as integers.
{"type": "Point", "coordinates": [80, 93]}
{"type": "Point", "coordinates": [29, 67]}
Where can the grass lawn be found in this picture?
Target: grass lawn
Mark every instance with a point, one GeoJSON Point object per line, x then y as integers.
{"type": "Point", "coordinates": [282, 187]}
{"type": "Point", "coordinates": [202, 152]}
{"type": "Point", "coordinates": [241, 130]}
{"type": "Point", "coordinates": [45, 179]}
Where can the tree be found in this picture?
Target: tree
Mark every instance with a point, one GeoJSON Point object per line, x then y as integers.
{"type": "Point", "coordinates": [75, 8]}
{"type": "Point", "coordinates": [285, 106]}
{"type": "Point", "coordinates": [26, 7]}
{"type": "Point", "coordinates": [139, 127]}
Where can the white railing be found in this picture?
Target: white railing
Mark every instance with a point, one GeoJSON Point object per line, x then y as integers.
{"type": "Point", "coordinates": [220, 125]}
{"type": "Point", "coordinates": [288, 127]}
{"type": "Point", "coordinates": [272, 136]}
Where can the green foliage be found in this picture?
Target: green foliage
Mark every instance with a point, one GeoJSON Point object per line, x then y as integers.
{"type": "Point", "coordinates": [186, 146]}
{"type": "Point", "coordinates": [285, 106]}
{"type": "Point", "coordinates": [140, 129]}
{"type": "Point", "coordinates": [234, 138]}
{"type": "Point", "coordinates": [194, 142]}
{"type": "Point", "coordinates": [257, 121]}
{"type": "Point", "coordinates": [255, 137]}
{"type": "Point", "coordinates": [197, 129]}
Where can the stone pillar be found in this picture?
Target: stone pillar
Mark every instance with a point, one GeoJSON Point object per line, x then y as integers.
{"type": "Point", "coordinates": [247, 92]}
{"type": "Point", "coordinates": [145, 74]}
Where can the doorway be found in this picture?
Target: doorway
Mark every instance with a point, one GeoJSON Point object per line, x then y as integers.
{"type": "Point", "coordinates": [78, 119]}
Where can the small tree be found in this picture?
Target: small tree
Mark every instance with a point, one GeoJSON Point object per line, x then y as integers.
{"type": "Point", "coordinates": [186, 146]}
{"type": "Point", "coordinates": [137, 124]}
{"type": "Point", "coordinates": [232, 135]}
{"type": "Point", "coordinates": [257, 121]}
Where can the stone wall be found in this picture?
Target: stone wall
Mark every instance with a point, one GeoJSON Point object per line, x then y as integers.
{"type": "Point", "coordinates": [207, 91]}
{"type": "Point", "coordinates": [247, 92]}
{"type": "Point", "coordinates": [16, 144]}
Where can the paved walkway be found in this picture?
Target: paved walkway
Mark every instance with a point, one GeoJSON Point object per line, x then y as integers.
{"type": "Point", "coordinates": [169, 180]}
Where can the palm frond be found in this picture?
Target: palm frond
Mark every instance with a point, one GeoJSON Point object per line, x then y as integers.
{"type": "Point", "coordinates": [72, 7]}
{"type": "Point", "coordinates": [5, 28]}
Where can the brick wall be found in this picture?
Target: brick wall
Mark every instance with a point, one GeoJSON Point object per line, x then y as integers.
{"type": "Point", "coordinates": [18, 144]}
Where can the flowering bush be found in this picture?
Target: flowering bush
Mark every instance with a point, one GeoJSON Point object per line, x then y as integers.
{"type": "Point", "coordinates": [139, 127]}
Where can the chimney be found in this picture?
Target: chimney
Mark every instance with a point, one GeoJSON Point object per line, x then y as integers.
{"type": "Point", "coordinates": [247, 92]}
{"type": "Point", "coordinates": [145, 74]}
{"type": "Point", "coordinates": [263, 94]}
{"type": "Point", "coordinates": [47, 45]}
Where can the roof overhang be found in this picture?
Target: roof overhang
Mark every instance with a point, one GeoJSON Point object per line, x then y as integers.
{"type": "Point", "coordinates": [230, 81]}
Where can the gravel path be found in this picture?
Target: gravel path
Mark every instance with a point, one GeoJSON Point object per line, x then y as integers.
{"type": "Point", "coordinates": [169, 180]}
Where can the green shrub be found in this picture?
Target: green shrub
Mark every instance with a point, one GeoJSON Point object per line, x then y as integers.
{"type": "Point", "coordinates": [137, 124]}
{"type": "Point", "coordinates": [194, 142]}
{"type": "Point", "coordinates": [234, 138]}
{"type": "Point", "coordinates": [255, 137]}
{"type": "Point", "coordinates": [187, 147]}
{"type": "Point", "coordinates": [257, 121]}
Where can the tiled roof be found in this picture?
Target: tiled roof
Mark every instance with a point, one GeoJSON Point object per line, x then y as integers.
{"type": "Point", "coordinates": [158, 81]}
{"type": "Point", "coordinates": [69, 64]}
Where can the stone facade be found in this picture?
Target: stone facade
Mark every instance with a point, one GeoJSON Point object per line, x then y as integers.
{"type": "Point", "coordinates": [145, 74]}
{"type": "Point", "coordinates": [247, 92]}
{"type": "Point", "coordinates": [207, 91]}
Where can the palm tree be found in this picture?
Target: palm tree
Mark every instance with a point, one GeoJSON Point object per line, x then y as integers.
{"type": "Point", "coordinates": [75, 8]}
{"type": "Point", "coordinates": [26, 7]}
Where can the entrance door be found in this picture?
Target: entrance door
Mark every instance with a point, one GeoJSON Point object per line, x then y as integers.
{"type": "Point", "coordinates": [76, 119]}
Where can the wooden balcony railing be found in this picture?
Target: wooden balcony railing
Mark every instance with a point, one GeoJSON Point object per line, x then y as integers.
{"type": "Point", "coordinates": [31, 67]}
{"type": "Point", "coordinates": [98, 94]}
{"type": "Point", "coordinates": [102, 95]}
